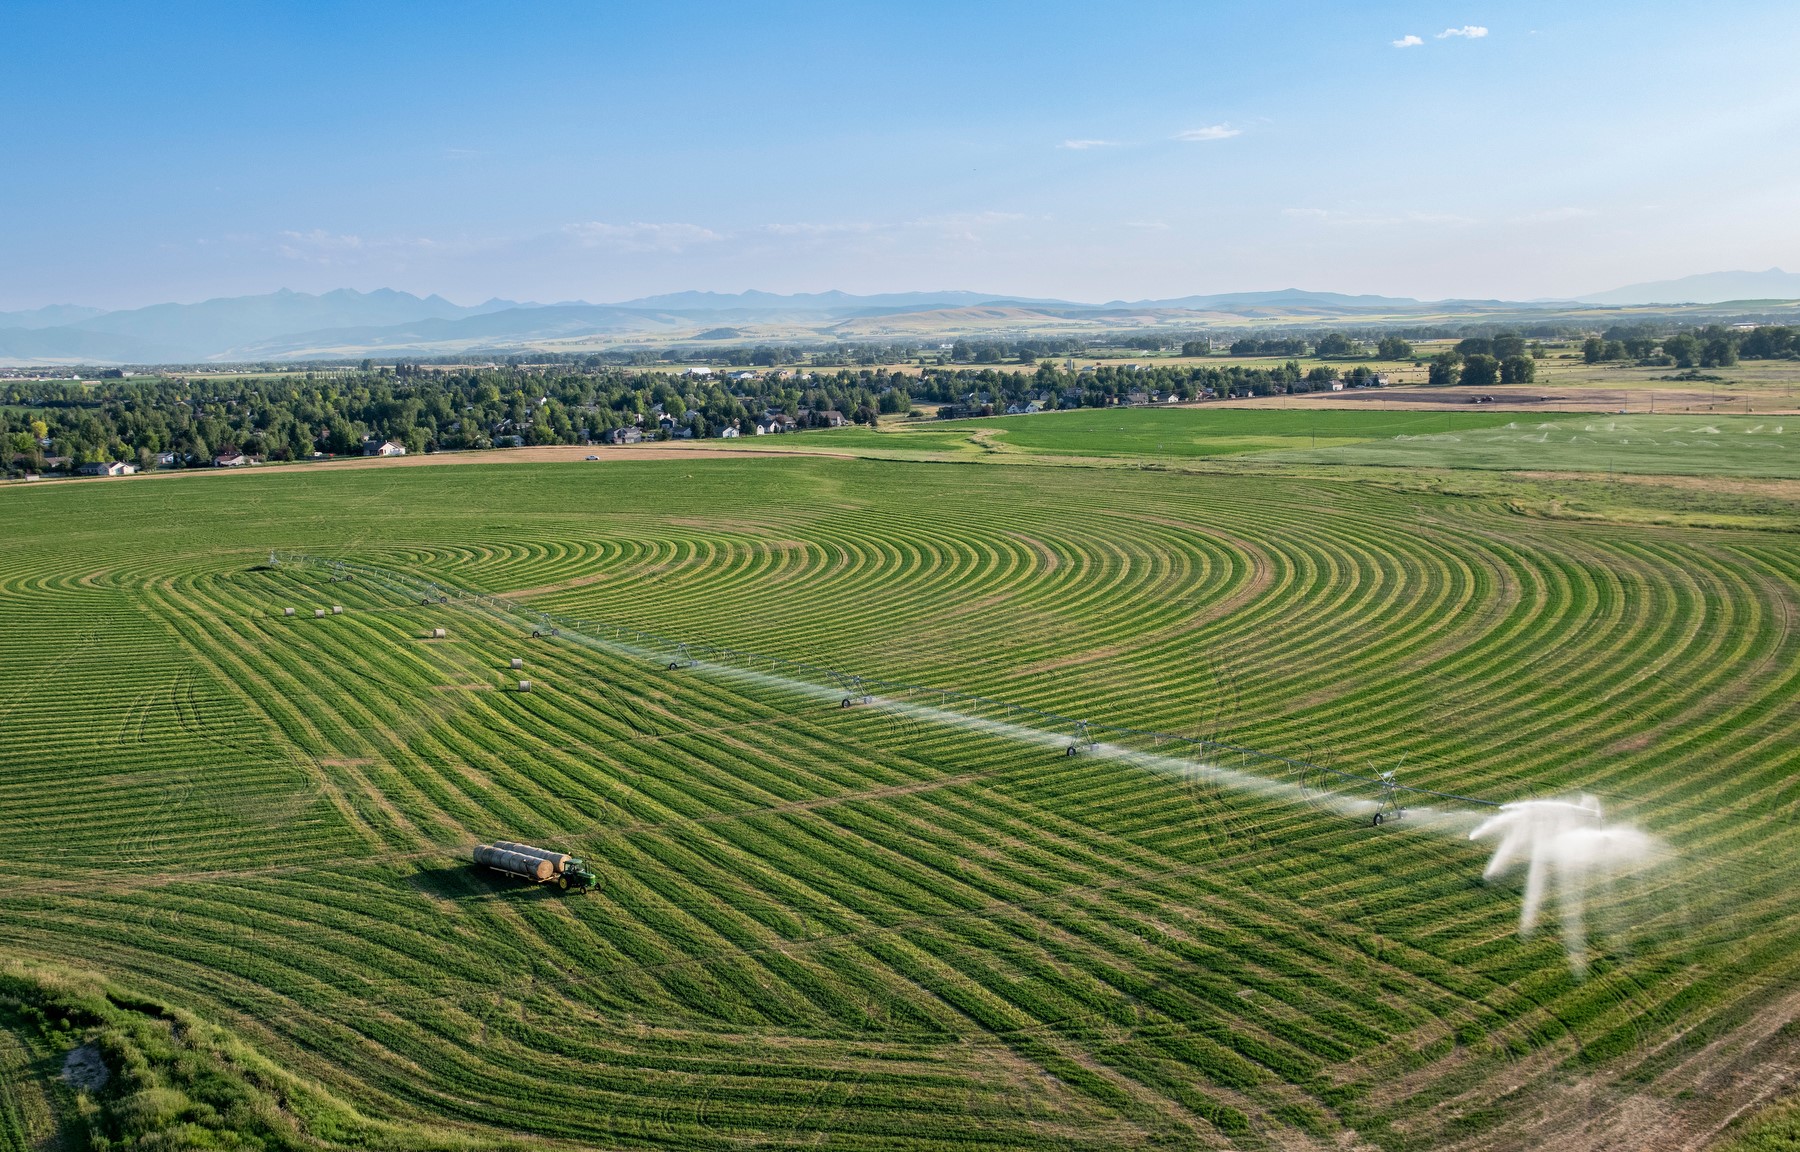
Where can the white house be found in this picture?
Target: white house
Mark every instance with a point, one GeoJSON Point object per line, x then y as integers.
{"type": "Point", "coordinates": [728, 433]}
{"type": "Point", "coordinates": [696, 371]}
{"type": "Point", "coordinates": [167, 459]}
{"type": "Point", "coordinates": [384, 448]}
{"type": "Point", "coordinates": [624, 436]}
{"type": "Point", "coordinates": [231, 459]}
{"type": "Point", "coordinates": [116, 468]}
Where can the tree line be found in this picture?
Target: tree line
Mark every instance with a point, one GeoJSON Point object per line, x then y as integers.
{"type": "Point", "coordinates": [293, 417]}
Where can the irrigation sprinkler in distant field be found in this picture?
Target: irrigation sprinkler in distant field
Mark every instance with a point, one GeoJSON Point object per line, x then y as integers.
{"type": "Point", "coordinates": [1390, 807]}
{"type": "Point", "coordinates": [1084, 740]}
{"type": "Point", "coordinates": [855, 691]}
{"type": "Point", "coordinates": [683, 658]}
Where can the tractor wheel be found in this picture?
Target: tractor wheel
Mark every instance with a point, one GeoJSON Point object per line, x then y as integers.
{"type": "Point", "coordinates": [563, 883]}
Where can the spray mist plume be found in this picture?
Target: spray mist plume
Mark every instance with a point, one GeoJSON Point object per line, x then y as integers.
{"type": "Point", "coordinates": [1564, 846]}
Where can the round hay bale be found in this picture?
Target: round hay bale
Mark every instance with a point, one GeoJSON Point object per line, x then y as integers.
{"type": "Point", "coordinates": [318, 613]}
{"type": "Point", "coordinates": [337, 609]}
{"type": "Point", "coordinates": [287, 611]}
{"type": "Point", "coordinates": [524, 685]}
{"type": "Point", "coordinates": [517, 663]}
{"type": "Point", "coordinates": [438, 633]}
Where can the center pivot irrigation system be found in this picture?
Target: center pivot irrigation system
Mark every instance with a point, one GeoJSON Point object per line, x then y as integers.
{"type": "Point", "coordinates": [1378, 798]}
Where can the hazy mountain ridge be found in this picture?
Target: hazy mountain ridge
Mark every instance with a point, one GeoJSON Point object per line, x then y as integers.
{"type": "Point", "coordinates": [289, 325]}
{"type": "Point", "coordinates": [1705, 288]}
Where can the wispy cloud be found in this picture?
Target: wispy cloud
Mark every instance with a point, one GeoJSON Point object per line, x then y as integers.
{"type": "Point", "coordinates": [1343, 218]}
{"type": "Point", "coordinates": [1407, 41]}
{"type": "Point", "coordinates": [321, 247]}
{"type": "Point", "coordinates": [1467, 31]}
{"type": "Point", "coordinates": [833, 228]}
{"type": "Point", "coordinates": [1555, 215]}
{"type": "Point", "coordinates": [641, 237]}
{"type": "Point", "coordinates": [1210, 132]}
{"type": "Point", "coordinates": [1084, 145]}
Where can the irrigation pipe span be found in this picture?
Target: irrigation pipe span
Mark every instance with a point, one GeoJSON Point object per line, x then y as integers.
{"type": "Point", "coordinates": [1565, 846]}
{"type": "Point", "coordinates": [1031, 725]}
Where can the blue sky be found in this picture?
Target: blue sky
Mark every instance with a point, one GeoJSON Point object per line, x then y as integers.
{"type": "Point", "coordinates": [603, 150]}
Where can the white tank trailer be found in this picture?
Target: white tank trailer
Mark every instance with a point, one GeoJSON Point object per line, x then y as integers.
{"type": "Point", "coordinates": [539, 865]}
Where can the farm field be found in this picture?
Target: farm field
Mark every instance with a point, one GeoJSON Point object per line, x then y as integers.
{"type": "Point", "coordinates": [243, 836]}
{"type": "Point", "coordinates": [1644, 444]}
{"type": "Point", "coordinates": [1668, 445]}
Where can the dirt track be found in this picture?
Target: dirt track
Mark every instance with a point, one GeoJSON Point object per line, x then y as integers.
{"type": "Point", "coordinates": [545, 454]}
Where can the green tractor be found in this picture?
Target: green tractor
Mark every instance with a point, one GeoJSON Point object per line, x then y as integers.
{"type": "Point", "coordinates": [577, 875]}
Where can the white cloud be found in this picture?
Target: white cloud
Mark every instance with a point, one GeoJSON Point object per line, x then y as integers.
{"type": "Point", "coordinates": [1407, 41]}
{"type": "Point", "coordinates": [321, 247]}
{"type": "Point", "coordinates": [1084, 145]}
{"type": "Point", "coordinates": [1468, 31]}
{"type": "Point", "coordinates": [818, 229]}
{"type": "Point", "coordinates": [1345, 218]}
{"type": "Point", "coordinates": [1210, 132]}
{"type": "Point", "coordinates": [1555, 215]}
{"type": "Point", "coordinates": [641, 237]}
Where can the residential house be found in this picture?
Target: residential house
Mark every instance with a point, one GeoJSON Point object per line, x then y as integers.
{"type": "Point", "coordinates": [229, 458]}
{"type": "Point", "coordinates": [830, 419]}
{"type": "Point", "coordinates": [626, 435]}
{"type": "Point", "coordinates": [384, 448]}
{"type": "Point", "coordinates": [168, 460]}
{"type": "Point", "coordinates": [729, 432]}
{"type": "Point", "coordinates": [115, 468]}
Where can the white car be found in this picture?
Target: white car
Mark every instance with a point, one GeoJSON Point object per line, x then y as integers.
{"type": "Point", "coordinates": [593, 457]}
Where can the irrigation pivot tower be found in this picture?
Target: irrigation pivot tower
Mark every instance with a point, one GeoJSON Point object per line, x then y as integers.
{"type": "Point", "coordinates": [1084, 740]}
{"type": "Point", "coordinates": [1390, 807]}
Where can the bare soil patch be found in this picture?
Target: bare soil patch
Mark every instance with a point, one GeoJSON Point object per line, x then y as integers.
{"type": "Point", "coordinates": [84, 1070]}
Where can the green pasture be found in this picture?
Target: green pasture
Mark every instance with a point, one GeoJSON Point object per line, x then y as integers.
{"type": "Point", "coordinates": [1203, 431]}
{"type": "Point", "coordinates": [233, 843]}
{"type": "Point", "coordinates": [1178, 433]}
{"type": "Point", "coordinates": [1709, 445]}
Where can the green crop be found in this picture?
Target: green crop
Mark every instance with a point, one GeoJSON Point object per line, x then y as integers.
{"type": "Point", "coordinates": [853, 927]}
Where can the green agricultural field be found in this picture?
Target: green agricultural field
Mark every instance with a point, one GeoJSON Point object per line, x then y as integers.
{"type": "Point", "coordinates": [1664, 445]}
{"type": "Point", "coordinates": [234, 844]}
{"type": "Point", "coordinates": [1176, 433]}
{"type": "Point", "coordinates": [1204, 431]}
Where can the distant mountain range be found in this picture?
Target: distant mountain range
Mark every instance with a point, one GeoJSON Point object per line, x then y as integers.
{"type": "Point", "coordinates": [295, 325]}
{"type": "Point", "coordinates": [1706, 288]}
